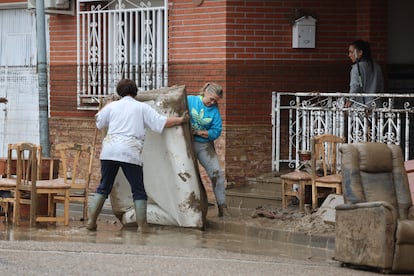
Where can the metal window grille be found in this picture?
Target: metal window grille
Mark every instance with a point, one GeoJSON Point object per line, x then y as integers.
{"type": "Point", "coordinates": [120, 39]}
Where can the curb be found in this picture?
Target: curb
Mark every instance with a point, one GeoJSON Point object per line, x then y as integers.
{"type": "Point", "coordinates": [317, 241]}
{"type": "Point", "coordinates": [241, 227]}
{"type": "Point", "coordinates": [250, 229]}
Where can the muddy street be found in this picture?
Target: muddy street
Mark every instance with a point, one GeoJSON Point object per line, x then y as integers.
{"type": "Point", "coordinates": [170, 250]}
{"type": "Point", "coordinates": [110, 231]}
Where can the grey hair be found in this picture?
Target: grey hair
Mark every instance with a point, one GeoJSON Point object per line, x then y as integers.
{"type": "Point", "coordinates": [212, 88]}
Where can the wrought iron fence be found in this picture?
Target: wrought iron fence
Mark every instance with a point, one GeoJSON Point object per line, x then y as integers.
{"type": "Point", "coordinates": [296, 117]}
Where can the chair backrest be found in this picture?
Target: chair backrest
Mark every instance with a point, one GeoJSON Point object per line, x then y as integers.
{"type": "Point", "coordinates": [375, 172]}
{"type": "Point", "coordinates": [75, 163]}
{"type": "Point", "coordinates": [26, 164]}
{"type": "Point", "coordinates": [324, 154]}
{"type": "Point", "coordinates": [9, 165]}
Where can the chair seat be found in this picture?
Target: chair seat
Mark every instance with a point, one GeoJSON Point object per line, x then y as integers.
{"type": "Point", "coordinates": [73, 195]}
{"type": "Point", "coordinates": [54, 183]}
{"type": "Point", "coordinates": [296, 175]}
{"type": "Point", "coordinates": [333, 178]}
{"type": "Point", "coordinates": [7, 182]}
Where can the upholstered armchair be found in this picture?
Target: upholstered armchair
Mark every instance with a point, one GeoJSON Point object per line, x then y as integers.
{"type": "Point", "coordinates": [375, 226]}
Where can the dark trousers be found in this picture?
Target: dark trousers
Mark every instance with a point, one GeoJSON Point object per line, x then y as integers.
{"type": "Point", "coordinates": [132, 172]}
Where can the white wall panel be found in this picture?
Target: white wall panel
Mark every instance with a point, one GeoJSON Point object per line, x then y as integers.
{"type": "Point", "coordinates": [19, 118]}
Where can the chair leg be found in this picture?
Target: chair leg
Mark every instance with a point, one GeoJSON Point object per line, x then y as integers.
{"type": "Point", "coordinates": [66, 207]}
{"type": "Point", "coordinates": [284, 202]}
{"type": "Point", "coordinates": [33, 210]}
{"type": "Point", "coordinates": [5, 207]}
{"type": "Point", "coordinates": [51, 210]}
{"type": "Point", "coordinates": [85, 208]}
{"type": "Point", "coordinates": [16, 210]}
{"type": "Point", "coordinates": [6, 212]}
{"type": "Point", "coordinates": [338, 189]}
{"type": "Point", "coordinates": [314, 197]}
{"type": "Point", "coordinates": [301, 193]}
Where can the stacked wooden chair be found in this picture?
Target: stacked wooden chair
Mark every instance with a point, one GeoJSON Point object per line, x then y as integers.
{"type": "Point", "coordinates": [27, 187]}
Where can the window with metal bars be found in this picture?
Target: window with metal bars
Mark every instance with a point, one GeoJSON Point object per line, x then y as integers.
{"type": "Point", "coordinates": [120, 39]}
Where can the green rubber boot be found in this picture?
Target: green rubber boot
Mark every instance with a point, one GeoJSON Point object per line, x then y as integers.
{"type": "Point", "coordinates": [94, 210]}
{"type": "Point", "coordinates": [141, 216]}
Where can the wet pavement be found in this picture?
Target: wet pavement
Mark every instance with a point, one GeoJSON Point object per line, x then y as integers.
{"type": "Point", "coordinates": [242, 242]}
{"type": "Point", "coordinates": [74, 258]}
{"type": "Point", "coordinates": [112, 232]}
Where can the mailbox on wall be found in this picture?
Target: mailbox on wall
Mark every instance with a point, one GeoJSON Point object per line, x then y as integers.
{"type": "Point", "coordinates": [303, 33]}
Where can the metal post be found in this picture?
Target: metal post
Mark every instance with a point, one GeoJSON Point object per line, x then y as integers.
{"type": "Point", "coordinates": [42, 75]}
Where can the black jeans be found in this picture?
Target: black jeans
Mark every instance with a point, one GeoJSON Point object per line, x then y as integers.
{"type": "Point", "coordinates": [133, 174]}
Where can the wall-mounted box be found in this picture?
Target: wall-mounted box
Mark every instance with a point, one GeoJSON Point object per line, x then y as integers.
{"type": "Point", "coordinates": [303, 32]}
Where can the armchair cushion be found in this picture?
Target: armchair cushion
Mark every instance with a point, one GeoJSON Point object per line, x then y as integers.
{"type": "Point", "coordinates": [370, 244]}
{"type": "Point", "coordinates": [404, 248]}
{"type": "Point", "coordinates": [373, 158]}
{"type": "Point", "coordinates": [411, 213]}
{"type": "Point", "coordinates": [405, 232]}
{"type": "Point", "coordinates": [351, 178]}
{"type": "Point", "coordinates": [379, 187]}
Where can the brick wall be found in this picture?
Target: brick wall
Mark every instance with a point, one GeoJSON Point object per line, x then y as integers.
{"type": "Point", "coordinates": [246, 47]}
{"type": "Point", "coordinates": [63, 68]}
{"type": "Point", "coordinates": [260, 59]}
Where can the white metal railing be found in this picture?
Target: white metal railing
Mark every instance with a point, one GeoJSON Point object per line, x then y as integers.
{"type": "Point", "coordinates": [296, 117]}
{"type": "Point", "coordinates": [120, 39]}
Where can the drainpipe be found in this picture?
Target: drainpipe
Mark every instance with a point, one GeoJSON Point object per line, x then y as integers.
{"type": "Point", "coordinates": [42, 75]}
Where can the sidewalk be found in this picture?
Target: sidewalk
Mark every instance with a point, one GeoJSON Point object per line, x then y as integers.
{"type": "Point", "coordinates": [283, 226]}
{"type": "Point", "coordinates": [266, 231]}
{"type": "Point", "coordinates": [34, 257]}
{"type": "Point", "coordinates": [286, 226]}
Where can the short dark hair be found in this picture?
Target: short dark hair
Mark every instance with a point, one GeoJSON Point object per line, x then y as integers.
{"type": "Point", "coordinates": [365, 48]}
{"type": "Point", "coordinates": [126, 87]}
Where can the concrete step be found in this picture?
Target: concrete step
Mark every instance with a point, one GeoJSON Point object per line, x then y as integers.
{"type": "Point", "coordinates": [265, 184]}
{"type": "Point", "coordinates": [248, 198]}
{"type": "Point", "coordinates": [260, 191]}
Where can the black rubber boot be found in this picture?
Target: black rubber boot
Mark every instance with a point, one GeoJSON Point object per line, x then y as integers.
{"type": "Point", "coordinates": [221, 209]}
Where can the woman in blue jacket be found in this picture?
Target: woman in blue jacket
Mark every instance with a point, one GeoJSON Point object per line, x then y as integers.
{"type": "Point", "coordinates": [207, 125]}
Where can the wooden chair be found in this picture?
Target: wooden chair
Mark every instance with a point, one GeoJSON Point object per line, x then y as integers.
{"type": "Point", "coordinates": [289, 180]}
{"type": "Point", "coordinates": [26, 173]}
{"type": "Point", "coordinates": [29, 188]}
{"type": "Point", "coordinates": [76, 169]}
{"type": "Point", "coordinates": [8, 183]}
{"type": "Point", "coordinates": [324, 165]}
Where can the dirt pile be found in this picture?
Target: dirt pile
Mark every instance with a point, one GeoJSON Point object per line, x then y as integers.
{"type": "Point", "coordinates": [292, 220]}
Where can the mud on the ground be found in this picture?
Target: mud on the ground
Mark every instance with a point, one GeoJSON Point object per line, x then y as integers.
{"type": "Point", "coordinates": [292, 219]}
